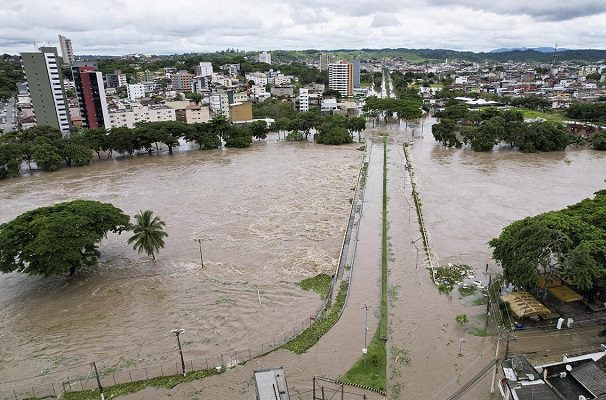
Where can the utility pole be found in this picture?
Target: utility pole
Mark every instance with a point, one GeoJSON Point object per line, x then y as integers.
{"type": "Point", "coordinates": [494, 372]}
{"type": "Point", "coordinates": [365, 349]}
{"type": "Point", "coordinates": [177, 332]}
{"type": "Point", "coordinates": [94, 365]}
{"type": "Point", "coordinates": [201, 259]}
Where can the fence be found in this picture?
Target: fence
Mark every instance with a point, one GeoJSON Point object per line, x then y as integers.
{"type": "Point", "coordinates": [110, 376]}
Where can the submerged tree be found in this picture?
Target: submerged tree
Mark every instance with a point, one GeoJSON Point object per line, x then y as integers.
{"type": "Point", "coordinates": [148, 233]}
{"type": "Point", "coordinates": [59, 238]}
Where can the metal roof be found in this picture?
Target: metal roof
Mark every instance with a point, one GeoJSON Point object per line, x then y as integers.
{"type": "Point", "coordinates": [591, 376]}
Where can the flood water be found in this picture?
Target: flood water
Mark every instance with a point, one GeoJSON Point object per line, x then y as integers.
{"type": "Point", "coordinates": [267, 217]}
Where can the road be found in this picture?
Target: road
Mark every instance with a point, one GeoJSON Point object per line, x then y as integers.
{"type": "Point", "coordinates": [8, 115]}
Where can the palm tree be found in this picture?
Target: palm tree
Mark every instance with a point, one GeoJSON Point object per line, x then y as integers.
{"type": "Point", "coordinates": [149, 234]}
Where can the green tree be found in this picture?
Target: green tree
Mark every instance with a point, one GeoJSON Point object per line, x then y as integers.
{"type": "Point", "coordinates": [148, 233]}
{"type": "Point", "coordinates": [238, 136]}
{"type": "Point", "coordinates": [445, 132]}
{"type": "Point", "coordinates": [10, 160]}
{"type": "Point", "coordinates": [47, 156]}
{"type": "Point", "coordinates": [259, 129]}
{"type": "Point", "coordinates": [76, 154]}
{"type": "Point", "coordinates": [123, 140]}
{"type": "Point", "coordinates": [599, 141]}
{"type": "Point", "coordinates": [195, 97]}
{"type": "Point", "coordinates": [59, 238]}
{"type": "Point", "coordinates": [203, 136]}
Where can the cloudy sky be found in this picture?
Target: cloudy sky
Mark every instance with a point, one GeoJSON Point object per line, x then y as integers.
{"type": "Point", "coordinates": [177, 26]}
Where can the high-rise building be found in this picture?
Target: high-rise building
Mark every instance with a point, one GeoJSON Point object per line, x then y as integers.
{"type": "Point", "coordinates": [340, 78]}
{"type": "Point", "coordinates": [204, 69]}
{"type": "Point", "coordinates": [325, 59]}
{"type": "Point", "coordinates": [182, 81]}
{"type": "Point", "coordinates": [67, 52]}
{"type": "Point", "coordinates": [356, 73]}
{"type": "Point", "coordinates": [265, 57]}
{"type": "Point", "coordinates": [91, 95]}
{"type": "Point", "coordinates": [303, 100]}
{"type": "Point", "coordinates": [43, 74]}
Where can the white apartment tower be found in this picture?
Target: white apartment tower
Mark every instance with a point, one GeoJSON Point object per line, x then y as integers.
{"type": "Point", "coordinates": [265, 57]}
{"type": "Point", "coordinates": [67, 52]}
{"type": "Point", "coordinates": [340, 78]}
{"type": "Point", "coordinates": [204, 69]}
{"type": "Point", "coordinates": [303, 100]}
{"type": "Point", "coordinates": [135, 91]}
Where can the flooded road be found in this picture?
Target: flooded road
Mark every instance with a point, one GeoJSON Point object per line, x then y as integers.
{"type": "Point", "coordinates": [467, 199]}
{"type": "Point", "coordinates": [267, 217]}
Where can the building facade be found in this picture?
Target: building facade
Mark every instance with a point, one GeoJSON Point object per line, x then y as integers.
{"type": "Point", "coordinates": [340, 78]}
{"type": "Point", "coordinates": [303, 100]}
{"type": "Point", "coordinates": [90, 91]}
{"type": "Point", "coordinates": [325, 59]}
{"type": "Point", "coordinates": [182, 81]}
{"type": "Point", "coordinates": [129, 117]}
{"type": "Point", "coordinates": [67, 52]}
{"type": "Point", "coordinates": [115, 80]}
{"type": "Point", "coordinates": [240, 112]}
{"type": "Point", "coordinates": [356, 73]}
{"type": "Point", "coordinates": [135, 91]}
{"type": "Point", "coordinates": [265, 57]}
{"type": "Point", "coordinates": [45, 86]}
{"type": "Point", "coordinates": [204, 69]}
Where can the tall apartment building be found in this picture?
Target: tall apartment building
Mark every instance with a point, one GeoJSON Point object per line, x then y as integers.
{"type": "Point", "coordinates": [182, 81]}
{"type": "Point", "coordinates": [115, 80]}
{"type": "Point", "coordinates": [265, 57]}
{"type": "Point", "coordinates": [67, 52]}
{"type": "Point", "coordinates": [356, 73]}
{"type": "Point", "coordinates": [340, 78]}
{"type": "Point", "coordinates": [219, 104]}
{"type": "Point", "coordinates": [145, 76]}
{"type": "Point", "coordinates": [91, 95]}
{"type": "Point", "coordinates": [303, 100]}
{"type": "Point", "coordinates": [325, 59]}
{"type": "Point", "coordinates": [204, 69]}
{"type": "Point", "coordinates": [43, 75]}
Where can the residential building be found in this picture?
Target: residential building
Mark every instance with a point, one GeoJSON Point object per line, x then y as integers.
{"type": "Point", "coordinates": [128, 117]}
{"type": "Point", "coordinates": [135, 91]}
{"type": "Point", "coordinates": [283, 90]}
{"type": "Point", "coordinates": [193, 114]}
{"type": "Point", "coordinates": [340, 78]}
{"type": "Point", "coordinates": [115, 80]}
{"type": "Point", "coordinates": [356, 73]}
{"type": "Point", "coordinates": [219, 104]}
{"type": "Point", "coordinates": [265, 57]}
{"type": "Point", "coordinates": [231, 69]}
{"type": "Point", "coordinates": [43, 75]}
{"type": "Point", "coordinates": [325, 59]}
{"type": "Point", "coordinates": [204, 69]}
{"type": "Point", "coordinates": [88, 82]}
{"type": "Point", "coordinates": [145, 76]}
{"type": "Point", "coordinates": [282, 79]}
{"type": "Point", "coordinates": [182, 81]}
{"type": "Point", "coordinates": [303, 100]}
{"type": "Point", "coordinates": [259, 78]}
{"type": "Point", "coordinates": [67, 52]}
{"type": "Point", "coordinates": [240, 112]}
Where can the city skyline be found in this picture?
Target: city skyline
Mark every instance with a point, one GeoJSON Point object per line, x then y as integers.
{"type": "Point", "coordinates": [117, 27]}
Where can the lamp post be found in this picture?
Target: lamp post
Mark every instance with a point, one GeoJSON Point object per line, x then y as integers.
{"type": "Point", "coordinates": [414, 243]}
{"type": "Point", "coordinates": [200, 244]}
{"type": "Point", "coordinates": [177, 332]}
{"type": "Point", "coordinates": [365, 349]}
{"type": "Point", "coordinates": [94, 365]}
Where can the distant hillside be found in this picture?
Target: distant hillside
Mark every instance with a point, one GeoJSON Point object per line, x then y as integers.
{"type": "Point", "coordinates": [539, 49]}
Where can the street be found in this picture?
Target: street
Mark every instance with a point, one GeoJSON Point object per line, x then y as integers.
{"type": "Point", "coordinates": [8, 116]}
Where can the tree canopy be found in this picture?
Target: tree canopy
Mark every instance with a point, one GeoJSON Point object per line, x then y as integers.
{"type": "Point", "coordinates": [570, 243]}
{"type": "Point", "coordinates": [60, 238]}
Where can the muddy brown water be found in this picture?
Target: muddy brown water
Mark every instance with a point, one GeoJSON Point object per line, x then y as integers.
{"type": "Point", "coordinates": [467, 199]}
{"type": "Point", "coordinates": [267, 217]}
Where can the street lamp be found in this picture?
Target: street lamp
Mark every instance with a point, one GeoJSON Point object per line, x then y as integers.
{"type": "Point", "coordinates": [201, 259]}
{"type": "Point", "coordinates": [365, 349]}
{"type": "Point", "coordinates": [177, 332]}
{"type": "Point", "coordinates": [414, 243]}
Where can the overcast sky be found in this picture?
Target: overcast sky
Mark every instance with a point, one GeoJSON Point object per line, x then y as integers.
{"type": "Point", "coordinates": [176, 26]}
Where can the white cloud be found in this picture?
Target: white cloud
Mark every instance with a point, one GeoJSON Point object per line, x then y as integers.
{"type": "Point", "coordinates": [159, 26]}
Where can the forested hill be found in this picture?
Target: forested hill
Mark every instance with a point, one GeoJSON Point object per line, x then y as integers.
{"type": "Point", "coordinates": [428, 55]}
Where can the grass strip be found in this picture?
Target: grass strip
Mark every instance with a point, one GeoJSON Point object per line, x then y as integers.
{"type": "Point", "coordinates": [122, 389]}
{"type": "Point", "coordinates": [310, 336]}
{"type": "Point", "coordinates": [319, 284]}
{"type": "Point", "coordinates": [375, 373]}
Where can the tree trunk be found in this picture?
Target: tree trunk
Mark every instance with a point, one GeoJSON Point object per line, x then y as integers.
{"type": "Point", "coordinates": [72, 271]}
{"type": "Point", "coordinates": [98, 154]}
{"type": "Point", "coordinates": [153, 257]}
{"type": "Point", "coordinates": [170, 149]}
